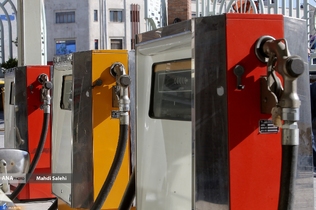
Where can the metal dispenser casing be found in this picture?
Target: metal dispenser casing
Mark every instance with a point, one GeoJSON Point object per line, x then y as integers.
{"type": "Point", "coordinates": [24, 121]}
{"type": "Point", "coordinates": [85, 130]}
{"type": "Point", "coordinates": [229, 148]}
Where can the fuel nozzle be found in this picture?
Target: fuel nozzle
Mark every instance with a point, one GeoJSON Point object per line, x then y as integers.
{"type": "Point", "coordinates": [123, 81]}
{"type": "Point", "coordinates": [276, 54]}
{"type": "Point", "coordinates": [45, 92]}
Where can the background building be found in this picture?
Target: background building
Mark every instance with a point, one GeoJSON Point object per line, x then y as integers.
{"type": "Point", "coordinates": [92, 24]}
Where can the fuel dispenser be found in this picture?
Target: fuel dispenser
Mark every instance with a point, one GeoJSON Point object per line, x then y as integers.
{"type": "Point", "coordinates": [27, 125]}
{"type": "Point", "coordinates": [90, 124]}
{"type": "Point", "coordinates": [222, 115]}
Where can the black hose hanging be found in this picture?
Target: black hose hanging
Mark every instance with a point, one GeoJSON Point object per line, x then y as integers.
{"type": "Point", "coordinates": [129, 194]}
{"type": "Point", "coordinates": [115, 167]}
{"type": "Point", "coordinates": [36, 158]}
{"type": "Point", "coordinates": [288, 176]}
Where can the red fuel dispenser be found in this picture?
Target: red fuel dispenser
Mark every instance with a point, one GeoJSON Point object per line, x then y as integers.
{"type": "Point", "coordinates": [30, 116]}
{"type": "Point", "coordinates": [237, 147]}
{"type": "Point", "coordinates": [208, 73]}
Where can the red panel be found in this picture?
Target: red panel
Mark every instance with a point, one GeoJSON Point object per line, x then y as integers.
{"type": "Point", "coordinates": [35, 124]}
{"type": "Point", "coordinates": [255, 158]}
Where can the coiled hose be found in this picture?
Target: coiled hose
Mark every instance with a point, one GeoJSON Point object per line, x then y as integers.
{"type": "Point", "coordinates": [36, 158]}
{"type": "Point", "coordinates": [288, 176]}
{"type": "Point", "coordinates": [115, 167]}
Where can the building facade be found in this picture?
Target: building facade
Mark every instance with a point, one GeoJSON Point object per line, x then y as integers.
{"type": "Point", "coordinates": [92, 24]}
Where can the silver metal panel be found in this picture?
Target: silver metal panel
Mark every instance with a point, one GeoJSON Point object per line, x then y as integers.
{"type": "Point", "coordinates": [18, 161]}
{"type": "Point", "coordinates": [169, 31]}
{"type": "Point", "coordinates": [21, 115]}
{"type": "Point", "coordinates": [72, 151]}
{"type": "Point", "coordinates": [61, 129]}
{"type": "Point", "coordinates": [9, 110]}
{"type": "Point", "coordinates": [209, 118]}
{"type": "Point", "coordinates": [72, 130]}
{"type": "Point", "coordinates": [82, 150]}
{"type": "Point", "coordinates": [132, 90]}
{"type": "Point", "coordinates": [164, 151]}
{"type": "Point", "coordinates": [295, 29]}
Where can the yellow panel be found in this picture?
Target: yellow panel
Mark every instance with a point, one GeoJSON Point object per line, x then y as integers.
{"type": "Point", "coordinates": [106, 130]}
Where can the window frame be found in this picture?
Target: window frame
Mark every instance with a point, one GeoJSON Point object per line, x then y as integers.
{"type": "Point", "coordinates": [65, 15]}
{"type": "Point", "coordinates": [117, 39]}
{"type": "Point", "coordinates": [95, 15]}
{"type": "Point", "coordinates": [70, 40]}
{"type": "Point", "coordinates": [116, 19]}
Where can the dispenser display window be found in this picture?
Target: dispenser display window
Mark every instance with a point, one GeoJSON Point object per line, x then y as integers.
{"type": "Point", "coordinates": [11, 101]}
{"type": "Point", "coordinates": [66, 97]}
{"type": "Point", "coordinates": [171, 90]}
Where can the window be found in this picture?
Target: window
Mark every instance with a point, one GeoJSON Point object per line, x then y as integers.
{"type": "Point", "coordinates": [95, 15]}
{"type": "Point", "coordinates": [12, 91]}
{"type": "Point", "coordinates": [66, 94]}
{"type": "Point", "coordinates": [116, 16]}
{"type": "Point", "coordinates": [116, 44]}
{"type": "Point", "coordinates": [171, 90]}
{"type": "Point", "coordinates": [65, 17]}
{"type": "Point", "coordinates": [96, 44]}
{"type": "Point", "coordinates": [64, 47]}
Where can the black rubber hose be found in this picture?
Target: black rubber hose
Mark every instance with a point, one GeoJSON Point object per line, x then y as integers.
{"type": "Point", "coordinates": [288, 176]}
{"type": "Point", "coordinates": [129, 194]}
{"type": "Point", "coordinates": [36, 158]}
{"type": "Point", "coordinates": [115, 167]}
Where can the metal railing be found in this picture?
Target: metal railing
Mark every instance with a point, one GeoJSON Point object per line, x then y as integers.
{"type": "Point", "coordinates": [302, 9]}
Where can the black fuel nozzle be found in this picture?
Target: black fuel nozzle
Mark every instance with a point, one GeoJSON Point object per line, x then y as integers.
{"type": "Point", "coordinates": [45, 92]}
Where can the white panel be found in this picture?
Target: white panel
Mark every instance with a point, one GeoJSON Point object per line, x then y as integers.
{"type": "Point", "coordinates": [61, 138]}
{"type": "Point", "coordinates": [32, 34]}
{"type": "Point", "coordinates": [164, 147]}
{"type": "Point", "coordinates": [9, 111]}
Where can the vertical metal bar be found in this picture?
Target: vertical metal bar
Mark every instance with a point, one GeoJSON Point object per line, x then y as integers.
{"type": "Point", "coordinates": [9, 28]}
{"type": "Point", "coordinates": [197, 5]}
{"type": "Point", "coordinates": [203, 8]}
{"type": "Point", "coordinates": [44, 32]}
{"type": "Point", "coordinates": [100, 24]}
{"type": "Point", "coordinates": [291, 8]}
{"type": "Point", "coordinates": [2, 42]}
{"type": "Point", "coordinates": [298, 8]}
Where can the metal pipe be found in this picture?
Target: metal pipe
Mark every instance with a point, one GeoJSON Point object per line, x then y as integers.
{"type": "Point", "coordinates": [290, 68]}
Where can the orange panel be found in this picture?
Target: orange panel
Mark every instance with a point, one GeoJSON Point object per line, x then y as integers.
{"type": "Point", "coordinates": [255, 158]}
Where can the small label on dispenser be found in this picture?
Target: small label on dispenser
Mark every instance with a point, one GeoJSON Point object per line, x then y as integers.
{"type": "Point", "coordinates": [267, 127]}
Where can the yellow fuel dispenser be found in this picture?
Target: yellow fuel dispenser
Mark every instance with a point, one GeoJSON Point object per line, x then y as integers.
{"type": "Point", "coordinates": [87, 115]}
